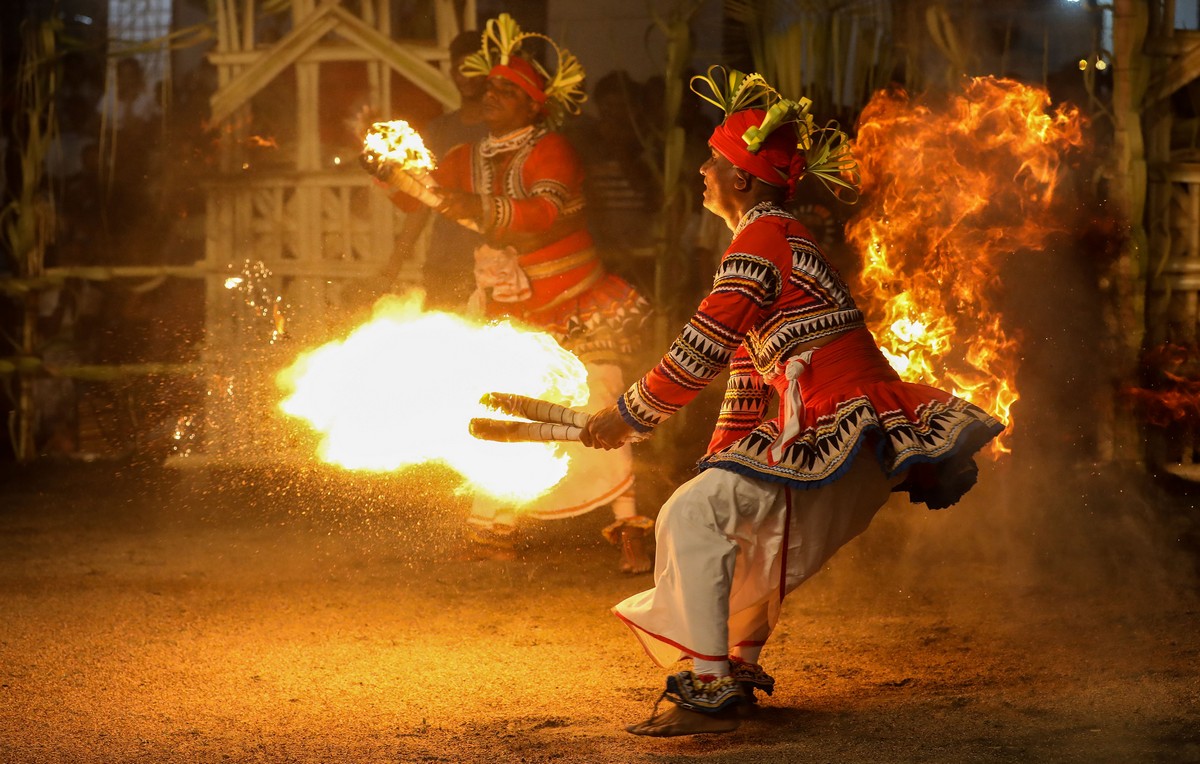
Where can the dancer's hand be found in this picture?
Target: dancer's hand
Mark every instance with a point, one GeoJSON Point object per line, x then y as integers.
{"type": "Point", "coordinates": [461, 205]}
{"type": "Point", "coordinates": [606, 429]}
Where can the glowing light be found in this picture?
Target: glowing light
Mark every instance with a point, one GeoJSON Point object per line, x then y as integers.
{"type": "Point", "coordinates": [1082, 64]}
{"type": "Point", "coordinates": [402, 388]}
{"type": "Point", "coordinates": [1101, 64]}
{"type": "Point", "coordinates": [948, 193]}
{"type": "Point", "coordinates": [337, 161]}
{"type": "Point", "coordinates": [397, 142]}
{"type": "Point", "coordinates": [254, 285]}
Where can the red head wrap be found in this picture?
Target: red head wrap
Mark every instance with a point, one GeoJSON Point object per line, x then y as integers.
{"type": "Point", "coordinates": [778, 161]}
{"type": "Point", "coordinates": [522, 74]}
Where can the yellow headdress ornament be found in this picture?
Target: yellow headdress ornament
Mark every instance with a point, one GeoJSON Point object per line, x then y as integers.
{"type": "Point", "coordinates": [500, 56]}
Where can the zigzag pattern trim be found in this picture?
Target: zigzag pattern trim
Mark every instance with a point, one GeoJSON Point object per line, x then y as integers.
{"type": "Point", "coordinates": [750, 275]}
{"type": "Point", "coordinates": [811, 272]}
{"type": "Point", "coordinates": [553, 190]}
{"type": "Point", "coordinates": [782, 334]}
{"type": "Point", "coordinates": [819, 452]}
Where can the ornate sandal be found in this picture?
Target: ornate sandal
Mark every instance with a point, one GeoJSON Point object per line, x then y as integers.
{"type": "Point", "coordinates": [700, 707]}
{"type": "Point", "coordinates": [687, 690]}
{"type": "Point", "coordinates": [751, 677]}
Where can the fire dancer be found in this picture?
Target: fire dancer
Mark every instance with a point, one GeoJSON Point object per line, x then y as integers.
{"type": "Point", "coordinates": [775, 498]}
{"type": "Point", "coordinates": [522, 187]}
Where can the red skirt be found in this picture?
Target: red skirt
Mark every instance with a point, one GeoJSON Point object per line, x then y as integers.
{"type": "Point", "coordinates": [595, 314]}
{"type": "Point", "coordinates": [853, 398]}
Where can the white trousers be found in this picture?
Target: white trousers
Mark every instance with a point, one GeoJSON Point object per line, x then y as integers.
{"type": "Point", "coordinates": [729, 547]}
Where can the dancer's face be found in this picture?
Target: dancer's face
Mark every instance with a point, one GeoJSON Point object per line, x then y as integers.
{"type": "Point", "coordinates": [721, 195]}
{"type": "Point", "coordinates": [506, 107]}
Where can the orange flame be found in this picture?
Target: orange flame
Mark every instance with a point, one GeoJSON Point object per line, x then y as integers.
{"type": "Point", "coordinates": [402, 389]}
{"type": "Point", "coordinates": [949, 191]}
{"type": "Point", "coordinates": [1174, 397]}
{"type": "Point", "coordinates": [397, 142]}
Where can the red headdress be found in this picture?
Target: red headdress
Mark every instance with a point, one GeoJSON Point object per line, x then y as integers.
{"type": "Point", "coordinates": [522, 74]}
{"type": "Point", "coordinates": [773, 138]}
{"type": "Point", "coordinates": [500, 55]}
{"type": "Point", "coordinates": [778, 160]}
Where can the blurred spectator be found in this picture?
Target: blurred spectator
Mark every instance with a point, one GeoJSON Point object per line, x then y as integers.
{"type": "Point", "coordinates": [620, 186]}
{"type": "Point", "coordinates": [449, 265]}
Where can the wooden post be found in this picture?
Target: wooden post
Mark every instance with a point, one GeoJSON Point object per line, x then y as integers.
{"type": "Point", "coordinates": [1125, 317]}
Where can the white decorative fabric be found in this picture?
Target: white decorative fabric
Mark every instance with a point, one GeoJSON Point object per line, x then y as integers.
{"type": "Point", "coordinates": [791, 405]}
{"type": "Point", "coordinates": [500, 271]}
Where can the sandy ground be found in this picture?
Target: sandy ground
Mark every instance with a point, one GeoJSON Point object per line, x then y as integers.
{"type": "Point", "coordinates": [151, 615]}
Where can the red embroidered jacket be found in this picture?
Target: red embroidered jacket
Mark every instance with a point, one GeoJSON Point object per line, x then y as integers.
{"type": "Point", "coordinates": [772, 291]}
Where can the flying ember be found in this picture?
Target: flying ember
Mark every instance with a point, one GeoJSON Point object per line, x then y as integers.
{"type": "Point", "coordinates": [402, 388]}
{"type": "Point", "coordinates": [950, 191]}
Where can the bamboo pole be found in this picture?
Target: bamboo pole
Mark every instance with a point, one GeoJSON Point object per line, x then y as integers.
{"type": "Point", "coordinates": [1119, 439]}
{"type": "Point", "coordinates": [26, 206]}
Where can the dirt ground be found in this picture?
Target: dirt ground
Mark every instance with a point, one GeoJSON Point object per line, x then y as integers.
{"type": "Point", "coordinates": [164, 616]}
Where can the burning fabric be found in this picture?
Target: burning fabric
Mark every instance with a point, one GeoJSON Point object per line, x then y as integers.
{"type": "Point", "coordinates": [948, 192]}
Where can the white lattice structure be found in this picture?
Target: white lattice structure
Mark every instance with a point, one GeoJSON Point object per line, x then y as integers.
{"type": "Point", "coordinates": [321, 230]}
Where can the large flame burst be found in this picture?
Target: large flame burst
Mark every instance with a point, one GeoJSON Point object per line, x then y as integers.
{"type": "Point", "coordinates": [401, 389]}
{"type": "Point", "coordinates": [948, 193]}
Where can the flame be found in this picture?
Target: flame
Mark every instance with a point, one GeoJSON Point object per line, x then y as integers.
{"type": "Point", "coordinates": [401, 389]}
{"type": "Point", "coordinates": [397, 142]}
{"type": "Point", "coordinates": [949, 192]}
{"type": "Point", "coordinates": [1174, 397]}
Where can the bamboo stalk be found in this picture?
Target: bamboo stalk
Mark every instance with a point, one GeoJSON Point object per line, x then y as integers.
{"type": "Point", "coordinates": [248, 25]}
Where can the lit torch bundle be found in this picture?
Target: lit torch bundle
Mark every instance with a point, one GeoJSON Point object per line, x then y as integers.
{"type": "Point", "coordinates": [550, 421]}
{"type": "Point", "coordinates": [395, 153]}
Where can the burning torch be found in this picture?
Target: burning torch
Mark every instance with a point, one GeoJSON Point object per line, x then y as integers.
{"type": "Point", "coordinates": [550, 421]}
{"type": "Point", "coordinates": [395, 153]}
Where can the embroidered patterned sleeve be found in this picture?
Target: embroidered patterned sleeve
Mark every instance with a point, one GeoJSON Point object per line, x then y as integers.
{"type": "Point", "coordinates": [744, 287]}
{"type": "Point", "coordinates": [745, 402]}
{"type": "Point", "coordinates": [553, 179]}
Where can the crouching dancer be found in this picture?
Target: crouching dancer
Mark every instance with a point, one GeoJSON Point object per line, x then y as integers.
{"type": "Point", "coordinates": [774, 499]}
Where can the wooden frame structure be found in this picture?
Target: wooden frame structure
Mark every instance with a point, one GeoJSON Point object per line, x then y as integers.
{"type": "Point", "coordinates": [310, 229]}
{"type": "Point", "coordinates": [1172, 212]}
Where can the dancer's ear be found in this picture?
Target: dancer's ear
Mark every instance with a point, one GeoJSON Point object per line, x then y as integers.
{"type": "Point", "coordinates": [741, 179]}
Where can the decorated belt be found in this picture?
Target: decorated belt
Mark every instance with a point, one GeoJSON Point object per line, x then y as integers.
{"type": "Point", "coordinates": [560, 265]}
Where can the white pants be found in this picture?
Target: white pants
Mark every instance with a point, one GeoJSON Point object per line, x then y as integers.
{"type": "Point", "coordinates": [729, 548]}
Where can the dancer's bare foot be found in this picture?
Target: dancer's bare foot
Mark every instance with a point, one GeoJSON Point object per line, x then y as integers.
{"type": "Point", "coordinates": [676, 721]}
{"type": "Point", "coordinates": [634, 558]}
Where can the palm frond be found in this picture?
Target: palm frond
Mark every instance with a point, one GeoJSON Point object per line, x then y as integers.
{"type": "Point", "coordinates": [829, 157]}
{"type": "Point", "coordinates": [732, 90]}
